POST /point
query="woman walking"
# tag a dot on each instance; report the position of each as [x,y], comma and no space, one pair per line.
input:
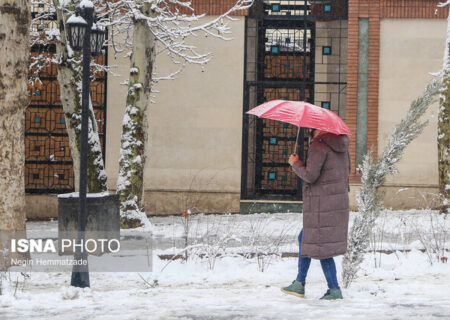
[325,209]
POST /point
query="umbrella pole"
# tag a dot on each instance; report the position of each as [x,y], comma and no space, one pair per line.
[296,141]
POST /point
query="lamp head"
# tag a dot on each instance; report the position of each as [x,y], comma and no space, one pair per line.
[77,27]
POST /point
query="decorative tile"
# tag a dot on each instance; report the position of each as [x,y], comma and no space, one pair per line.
[325,104]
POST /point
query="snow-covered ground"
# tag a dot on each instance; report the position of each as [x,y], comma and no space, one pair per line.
[408,284]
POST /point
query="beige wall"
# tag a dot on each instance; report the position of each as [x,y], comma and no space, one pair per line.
[195,128]
[41,206]
[397,198]
[409,50]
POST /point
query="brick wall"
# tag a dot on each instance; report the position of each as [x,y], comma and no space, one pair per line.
[375,11]
[419,9]
[211,7]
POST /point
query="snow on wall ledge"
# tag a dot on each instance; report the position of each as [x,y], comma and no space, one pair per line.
[88,195]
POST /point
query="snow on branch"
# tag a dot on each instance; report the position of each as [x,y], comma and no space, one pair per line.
[171,28]
[369,200]
[171,76]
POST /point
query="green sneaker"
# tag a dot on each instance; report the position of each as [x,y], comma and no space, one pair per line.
[332,294]
[296,289]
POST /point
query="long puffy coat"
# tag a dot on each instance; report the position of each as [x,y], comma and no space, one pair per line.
[325,196]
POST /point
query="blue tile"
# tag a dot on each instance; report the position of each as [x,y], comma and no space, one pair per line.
[275,49]
[62,120]
[37,120]
[38,92]
[275,7]
[272,175]
[326,50]
[273,141]
[327,8]
[325,105]
[283,178]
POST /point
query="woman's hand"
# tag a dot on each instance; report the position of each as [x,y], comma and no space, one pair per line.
[293,158]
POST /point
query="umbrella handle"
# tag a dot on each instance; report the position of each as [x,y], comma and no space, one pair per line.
[296,141]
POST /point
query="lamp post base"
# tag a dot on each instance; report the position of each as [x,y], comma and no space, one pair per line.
[80,279]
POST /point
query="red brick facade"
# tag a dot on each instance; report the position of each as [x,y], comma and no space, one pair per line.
[212,7]
[409,9]
[374,11]
[420,9]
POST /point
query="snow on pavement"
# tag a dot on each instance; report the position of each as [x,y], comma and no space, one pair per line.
[405,287]
[401,285]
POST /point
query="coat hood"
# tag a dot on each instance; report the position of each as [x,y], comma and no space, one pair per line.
[337,143]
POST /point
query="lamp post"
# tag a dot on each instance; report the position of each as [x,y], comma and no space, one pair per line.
[83,35]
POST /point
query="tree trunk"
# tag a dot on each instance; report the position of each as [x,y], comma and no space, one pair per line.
[130,183]
[14,59]
[444,130]
[69,78]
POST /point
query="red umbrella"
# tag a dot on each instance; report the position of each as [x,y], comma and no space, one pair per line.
[301,114]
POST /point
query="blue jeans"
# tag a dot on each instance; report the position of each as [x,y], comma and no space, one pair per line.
[328,267]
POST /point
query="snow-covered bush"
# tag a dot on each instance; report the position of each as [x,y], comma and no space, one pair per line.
[434,238]
[374,173]
[216,239]
[265,243]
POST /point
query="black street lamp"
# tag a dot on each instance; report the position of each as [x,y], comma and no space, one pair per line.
[83,36]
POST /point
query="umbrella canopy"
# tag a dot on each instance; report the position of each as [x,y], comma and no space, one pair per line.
[301,114]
